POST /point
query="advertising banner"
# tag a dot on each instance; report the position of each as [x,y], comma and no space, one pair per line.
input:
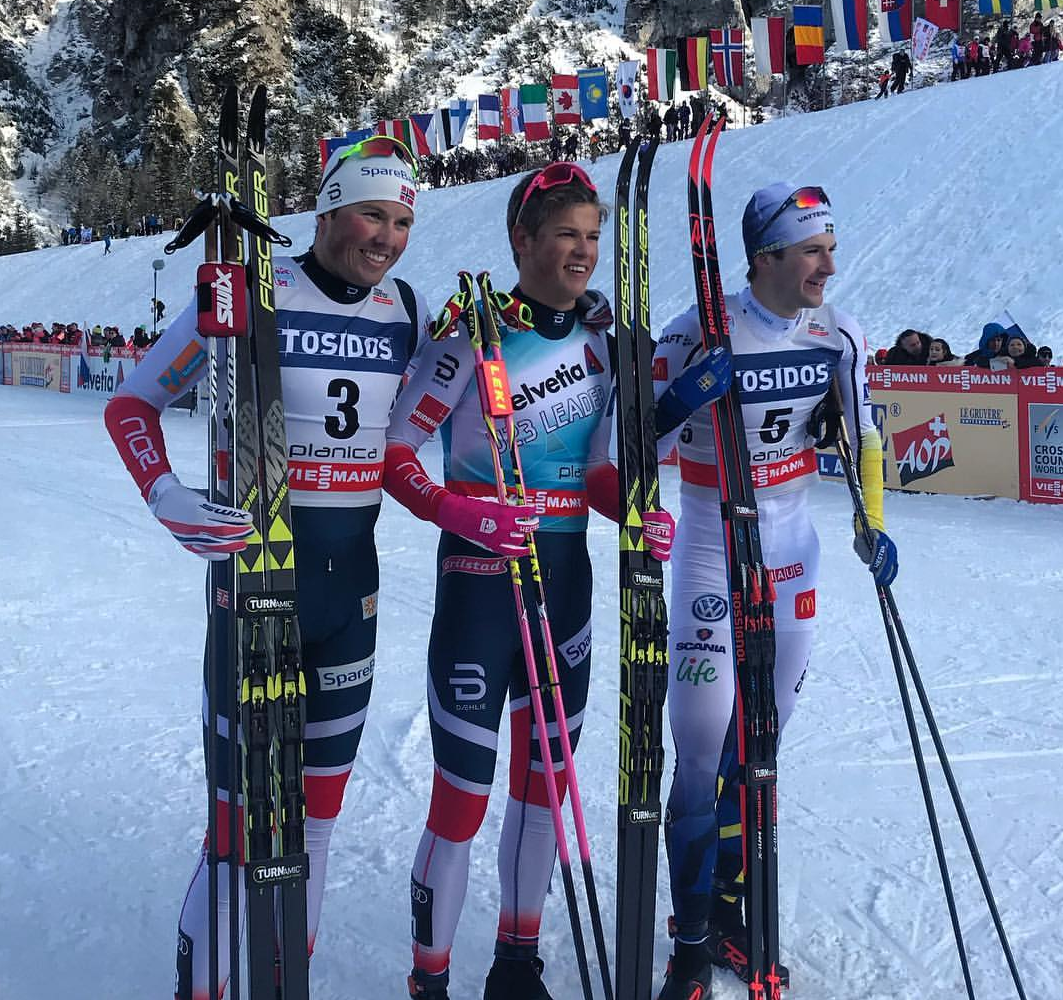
[40,366]
[1040,442]
[968,431]
[94,374]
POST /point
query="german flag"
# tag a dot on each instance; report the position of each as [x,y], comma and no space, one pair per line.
[693,63]
[808,34]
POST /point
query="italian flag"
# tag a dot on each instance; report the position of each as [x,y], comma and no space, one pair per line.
[660,64]
[405,131]
[533,100]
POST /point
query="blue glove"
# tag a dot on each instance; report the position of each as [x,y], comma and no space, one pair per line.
[881,557]
[701,383]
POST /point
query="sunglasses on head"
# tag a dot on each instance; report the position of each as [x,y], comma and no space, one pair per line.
[377,145]
[806,197]
[555,175]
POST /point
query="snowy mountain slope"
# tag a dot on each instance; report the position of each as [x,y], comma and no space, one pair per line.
[100,767]
[939,226]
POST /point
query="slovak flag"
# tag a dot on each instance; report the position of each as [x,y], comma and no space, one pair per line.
[895,20]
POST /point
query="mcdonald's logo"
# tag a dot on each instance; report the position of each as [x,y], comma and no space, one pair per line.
[805,605]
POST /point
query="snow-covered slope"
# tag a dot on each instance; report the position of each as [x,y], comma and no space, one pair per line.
[943,198]
[101,793]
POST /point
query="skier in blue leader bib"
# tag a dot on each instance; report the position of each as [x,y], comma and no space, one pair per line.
[560,373]
[788,347]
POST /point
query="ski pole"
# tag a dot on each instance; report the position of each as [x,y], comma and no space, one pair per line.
[896,635]
[553,678]
[527,645]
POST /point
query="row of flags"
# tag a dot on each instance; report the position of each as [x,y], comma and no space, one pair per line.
[584,96]
[431,132]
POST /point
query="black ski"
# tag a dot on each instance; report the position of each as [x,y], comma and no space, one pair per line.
[221,636]
[251,627]
[643,616]
[751,598]
[277,859]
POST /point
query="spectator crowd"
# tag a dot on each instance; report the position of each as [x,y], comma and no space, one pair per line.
[998,349]
[71,335]
[1007,50]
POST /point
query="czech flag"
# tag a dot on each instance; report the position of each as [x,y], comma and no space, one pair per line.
[808,34]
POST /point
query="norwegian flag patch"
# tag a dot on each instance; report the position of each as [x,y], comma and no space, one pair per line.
[406,195]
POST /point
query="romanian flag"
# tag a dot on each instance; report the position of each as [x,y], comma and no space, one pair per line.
[808,34]
[991,7]
[693,63]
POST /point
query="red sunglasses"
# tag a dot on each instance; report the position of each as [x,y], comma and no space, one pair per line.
[555,175]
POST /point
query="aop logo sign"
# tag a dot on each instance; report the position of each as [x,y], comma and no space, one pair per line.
[923,450]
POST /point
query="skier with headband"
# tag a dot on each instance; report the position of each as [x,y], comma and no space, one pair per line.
[347,331]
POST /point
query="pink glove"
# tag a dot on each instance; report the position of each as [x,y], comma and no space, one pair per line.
[501,528]
[658,528]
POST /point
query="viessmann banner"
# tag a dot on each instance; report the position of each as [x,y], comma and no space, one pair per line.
[969,432]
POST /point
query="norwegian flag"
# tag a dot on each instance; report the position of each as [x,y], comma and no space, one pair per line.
[728,55]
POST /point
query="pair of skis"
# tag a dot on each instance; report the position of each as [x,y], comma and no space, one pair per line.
[253,668]
[643,614]
[751,597]
[482,326]
[643,619]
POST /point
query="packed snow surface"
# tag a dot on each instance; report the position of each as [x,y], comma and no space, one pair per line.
[943,220]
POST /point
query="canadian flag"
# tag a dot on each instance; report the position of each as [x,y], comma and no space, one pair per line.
[566,99]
